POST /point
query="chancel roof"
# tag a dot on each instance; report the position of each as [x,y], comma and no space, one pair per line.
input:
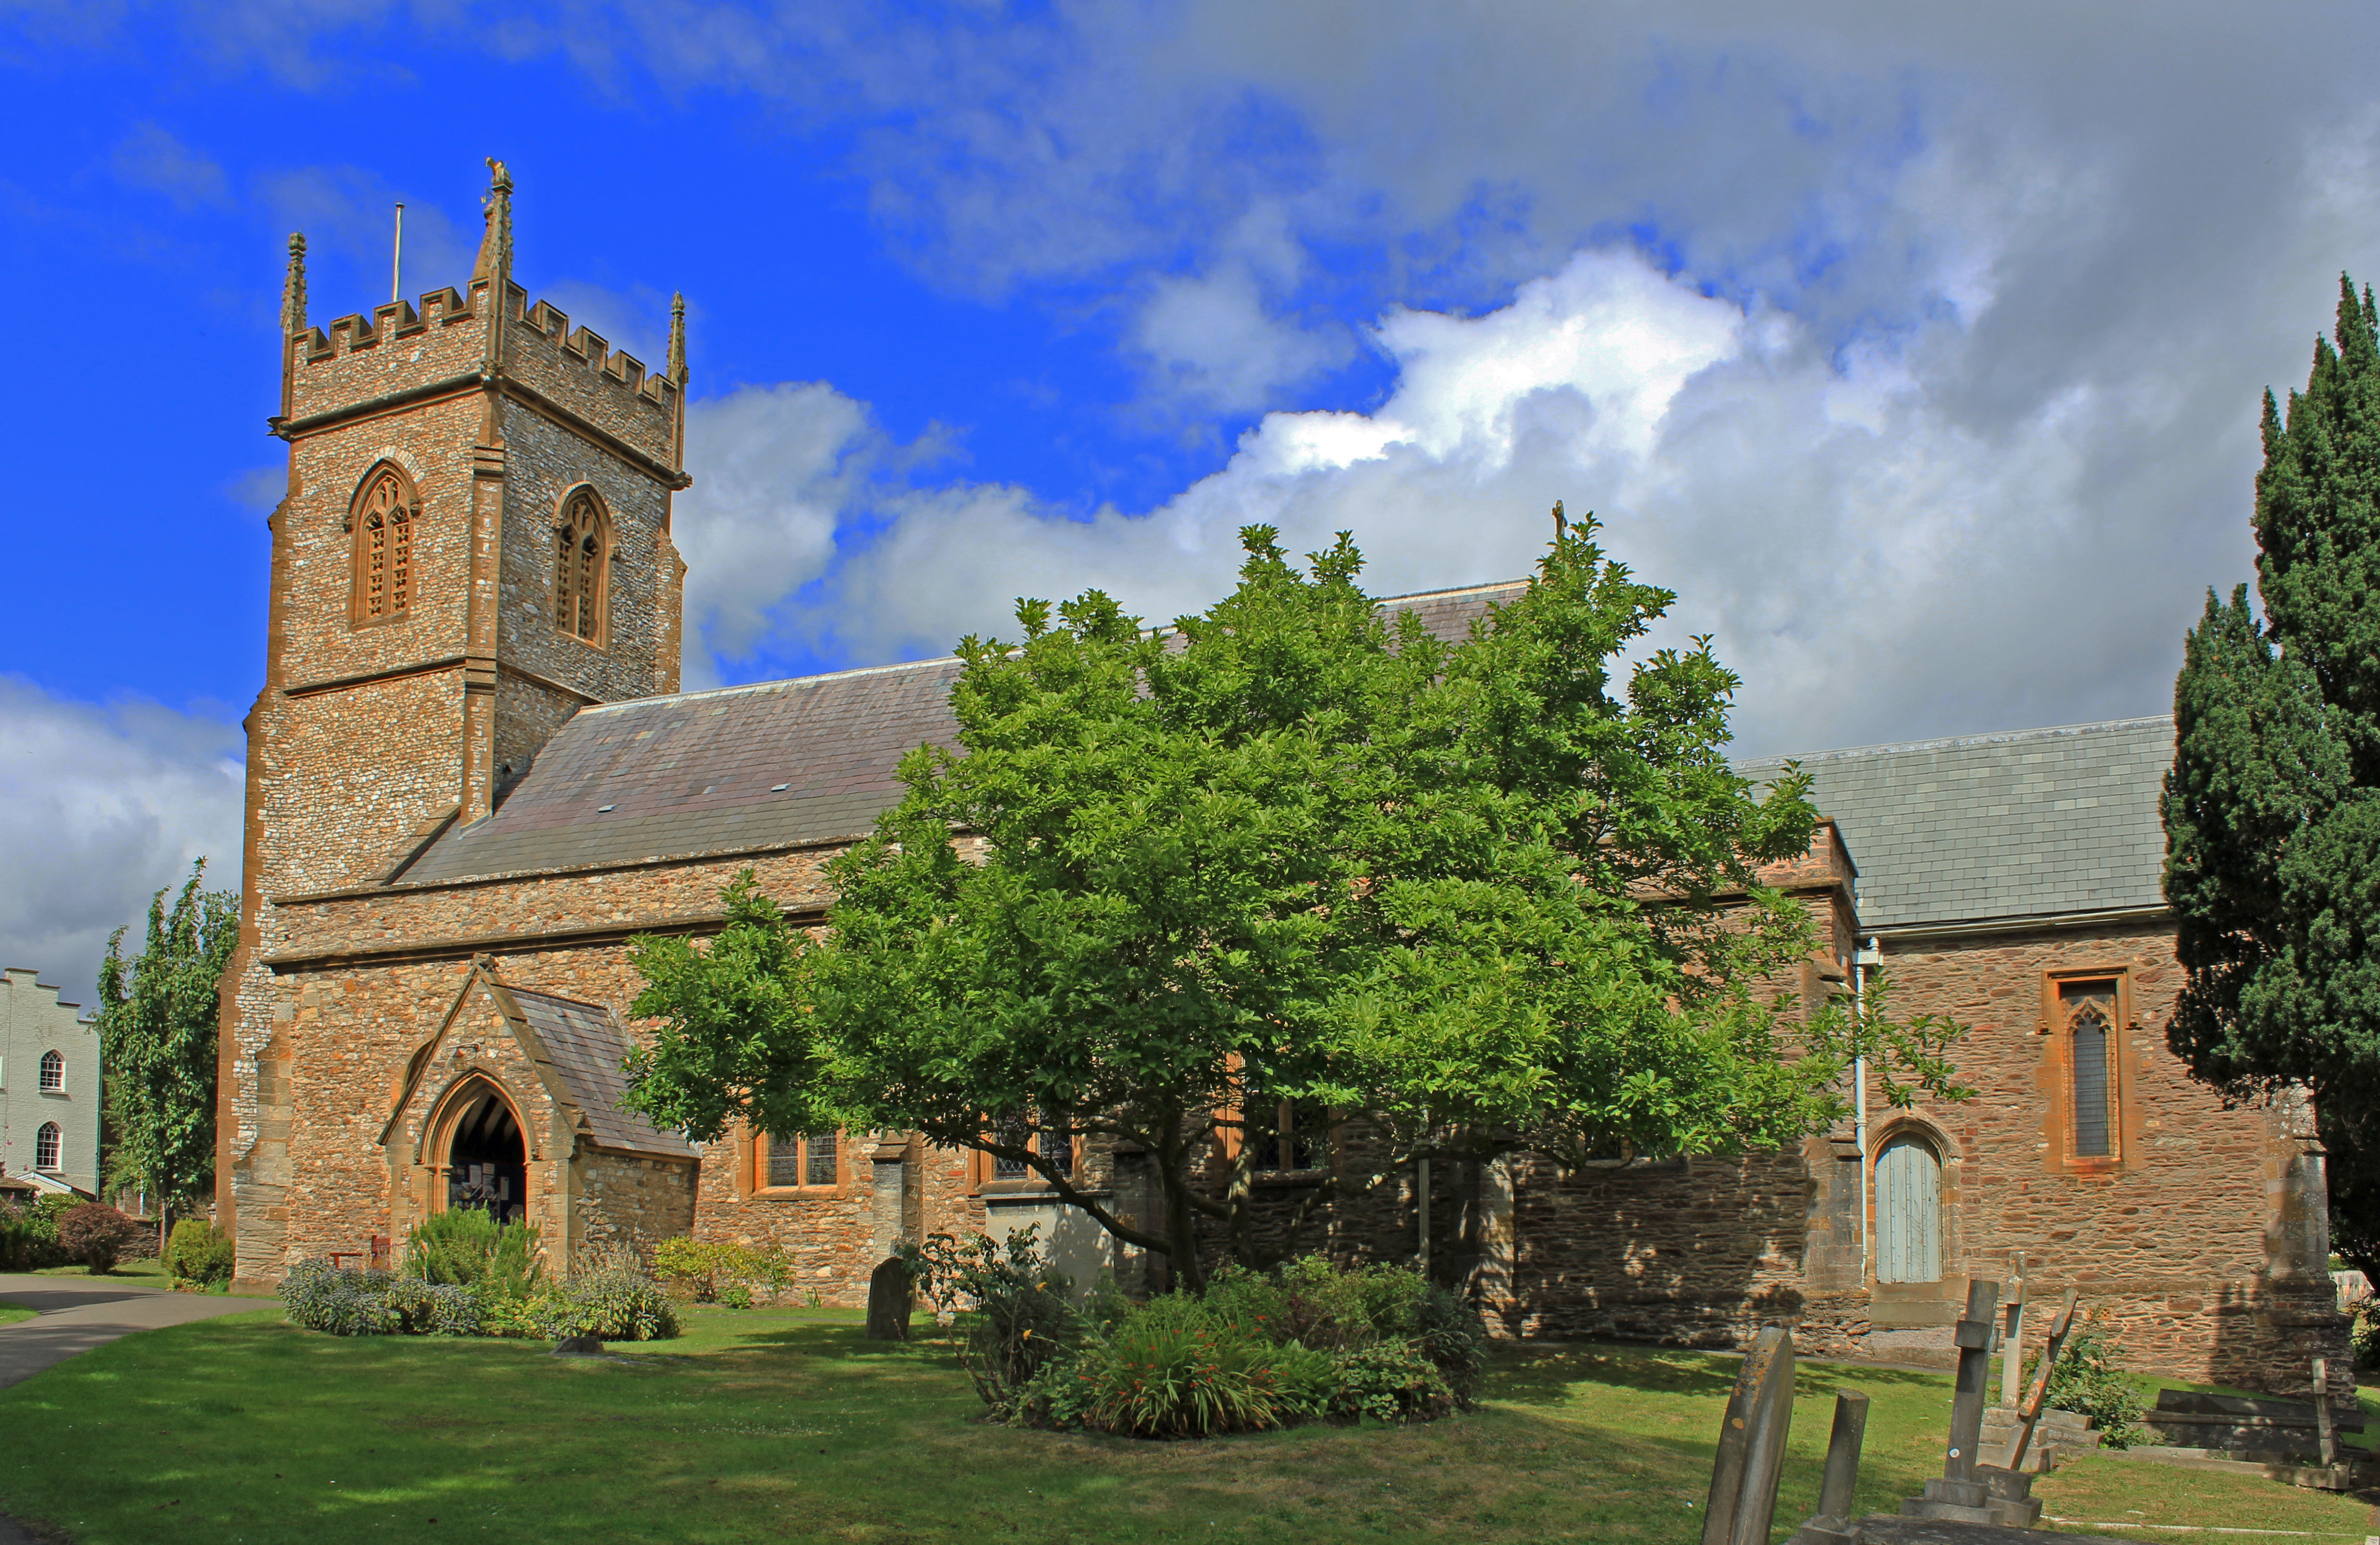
[2029,823]
[776,764]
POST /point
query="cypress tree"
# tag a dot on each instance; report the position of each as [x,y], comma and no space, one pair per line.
[2271,810]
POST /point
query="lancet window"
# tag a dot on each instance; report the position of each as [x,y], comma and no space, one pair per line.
[582,554]
[382,521]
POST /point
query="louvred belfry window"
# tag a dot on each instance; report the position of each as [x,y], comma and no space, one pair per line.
[579,560]
[383,522]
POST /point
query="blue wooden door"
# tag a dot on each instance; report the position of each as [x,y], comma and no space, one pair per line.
[1908,1212]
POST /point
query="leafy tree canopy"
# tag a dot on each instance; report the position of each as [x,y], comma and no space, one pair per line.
[2271,810]
[157,1022]
[1480,898]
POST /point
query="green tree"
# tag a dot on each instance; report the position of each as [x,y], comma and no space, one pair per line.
[1468,895]
[157,1020]
[2272,808]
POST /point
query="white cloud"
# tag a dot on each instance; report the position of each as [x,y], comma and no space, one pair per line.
[775,467]
[99,809]
[1877,556]
[150,157]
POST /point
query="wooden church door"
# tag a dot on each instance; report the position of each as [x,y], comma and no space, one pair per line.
[1908,1212]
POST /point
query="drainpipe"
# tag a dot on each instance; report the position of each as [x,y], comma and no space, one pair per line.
[1861,961]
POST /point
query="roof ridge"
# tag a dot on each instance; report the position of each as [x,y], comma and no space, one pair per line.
[765,685]
[551,997]
[945,658]
[1458,590]
[1947,742]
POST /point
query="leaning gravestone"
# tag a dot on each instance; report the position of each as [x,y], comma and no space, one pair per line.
[1752,1445]
[890,1299]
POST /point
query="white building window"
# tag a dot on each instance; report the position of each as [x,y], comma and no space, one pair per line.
[45,1147]
[53,1073]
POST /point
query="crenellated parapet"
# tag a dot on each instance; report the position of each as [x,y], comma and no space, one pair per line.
[577,370]
[406,349]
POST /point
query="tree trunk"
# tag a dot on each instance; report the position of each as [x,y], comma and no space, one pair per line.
[1180,1219]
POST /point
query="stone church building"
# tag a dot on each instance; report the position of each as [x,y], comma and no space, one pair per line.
[472,779]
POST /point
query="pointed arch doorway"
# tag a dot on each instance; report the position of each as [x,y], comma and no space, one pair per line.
[1907,1211]
[486,1162]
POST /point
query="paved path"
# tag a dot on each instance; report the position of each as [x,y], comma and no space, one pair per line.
[79,1313]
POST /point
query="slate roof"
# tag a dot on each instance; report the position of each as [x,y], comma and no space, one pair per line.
[584,1047]
[2028,823]
[776,764]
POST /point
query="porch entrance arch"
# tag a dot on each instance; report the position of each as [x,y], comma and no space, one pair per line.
[486,1161]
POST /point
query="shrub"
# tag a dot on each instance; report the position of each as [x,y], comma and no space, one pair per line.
[1174,1371]
[2363,1332]
[199,1252]
[2085,1381]
[95,1234]
[608,1303]
[713,1271]
[1020,1314]
[1392,1380]
[340,1301]
[414,1307]
[1394,1348]
[29,1234]
[465,1247]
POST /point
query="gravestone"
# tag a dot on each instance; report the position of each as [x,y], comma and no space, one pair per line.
[890,1300]
[1752,1445]
[1962,1496]
[1832,1525]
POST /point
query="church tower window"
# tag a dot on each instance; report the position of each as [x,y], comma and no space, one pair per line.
[582,554]
[382,521]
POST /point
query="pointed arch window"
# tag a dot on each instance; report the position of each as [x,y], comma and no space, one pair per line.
[2090,1010]
[386,511]
[46,1144]
[53,1073]
[581,561]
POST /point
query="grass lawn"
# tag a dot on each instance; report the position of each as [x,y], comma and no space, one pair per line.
[145,1273]
[786,1426]
[11,1313]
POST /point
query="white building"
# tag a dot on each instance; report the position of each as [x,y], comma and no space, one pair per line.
[49,1087]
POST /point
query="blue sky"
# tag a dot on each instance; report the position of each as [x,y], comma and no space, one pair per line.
[1918,352]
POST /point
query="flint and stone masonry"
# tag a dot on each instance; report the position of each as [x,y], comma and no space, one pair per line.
[461,806]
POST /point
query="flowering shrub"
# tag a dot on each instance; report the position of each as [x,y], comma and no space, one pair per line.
[1384,1344]
[1020,1314]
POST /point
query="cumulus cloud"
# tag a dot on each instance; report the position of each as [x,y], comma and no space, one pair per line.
[1878,556]
[99,807]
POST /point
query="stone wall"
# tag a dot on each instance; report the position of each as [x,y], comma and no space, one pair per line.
[628,1202]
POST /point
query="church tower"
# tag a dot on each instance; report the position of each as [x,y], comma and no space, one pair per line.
[474,545]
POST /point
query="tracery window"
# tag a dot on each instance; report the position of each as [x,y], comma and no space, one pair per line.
[385,511]
[1297,1138]
[795,1160]
[582,544]
[1053,1139]
[2087,1010]
[53,1073]
[46,1143]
